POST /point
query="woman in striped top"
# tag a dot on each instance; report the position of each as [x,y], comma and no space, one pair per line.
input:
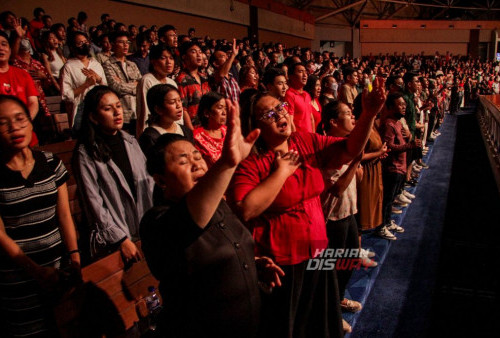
[36,227]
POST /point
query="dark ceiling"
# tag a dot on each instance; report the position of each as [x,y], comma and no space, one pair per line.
[349,12]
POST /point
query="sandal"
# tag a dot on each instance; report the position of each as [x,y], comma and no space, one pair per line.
[350,305]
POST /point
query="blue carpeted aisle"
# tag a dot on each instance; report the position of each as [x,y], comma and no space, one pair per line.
[397,295]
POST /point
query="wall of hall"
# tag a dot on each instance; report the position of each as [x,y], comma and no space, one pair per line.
[214,18]
[416,36]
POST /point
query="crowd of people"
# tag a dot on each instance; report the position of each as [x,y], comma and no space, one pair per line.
[234,164]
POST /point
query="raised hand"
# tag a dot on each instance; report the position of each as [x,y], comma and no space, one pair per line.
[236,48]
[373,101]
[18,28]
[236,147]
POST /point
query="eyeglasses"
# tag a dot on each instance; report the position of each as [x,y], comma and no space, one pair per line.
[81,43]
[275,114]
[124,42]
[21,120]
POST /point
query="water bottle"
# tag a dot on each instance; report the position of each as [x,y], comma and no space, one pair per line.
[154,307]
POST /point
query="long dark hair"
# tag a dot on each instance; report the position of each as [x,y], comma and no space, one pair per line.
[329,112]
[310,86]
[88,135]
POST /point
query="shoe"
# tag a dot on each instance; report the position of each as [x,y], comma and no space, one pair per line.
[346,327]
[416,169]
[396,210]
[400,204]
[402,199]
[366,253]
[423,164]
[385,233]
[368,263]
[394,227]
[350,305]
[408,194]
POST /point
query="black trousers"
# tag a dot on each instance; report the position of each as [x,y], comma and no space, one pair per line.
[393,183]
[306,305]
[343,234]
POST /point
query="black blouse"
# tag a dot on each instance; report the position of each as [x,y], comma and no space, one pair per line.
[208,278]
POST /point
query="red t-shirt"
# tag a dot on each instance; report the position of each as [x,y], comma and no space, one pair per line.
[299,106]
[18,83]
[292,229]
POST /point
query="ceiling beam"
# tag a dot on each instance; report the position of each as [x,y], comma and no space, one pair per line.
[340,10]
[355,21]
[412,3]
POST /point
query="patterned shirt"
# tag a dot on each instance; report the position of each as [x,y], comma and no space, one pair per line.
[191,92]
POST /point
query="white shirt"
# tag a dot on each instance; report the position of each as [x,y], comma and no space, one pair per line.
[56,65]
[72,77]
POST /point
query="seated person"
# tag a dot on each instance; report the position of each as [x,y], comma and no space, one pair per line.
[197,248]
[110,171]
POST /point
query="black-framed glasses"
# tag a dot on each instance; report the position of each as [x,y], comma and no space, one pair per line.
[275,114]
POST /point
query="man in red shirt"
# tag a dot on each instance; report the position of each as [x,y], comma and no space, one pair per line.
[299,101]
[15,81]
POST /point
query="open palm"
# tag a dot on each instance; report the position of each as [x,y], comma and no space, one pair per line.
[236,147]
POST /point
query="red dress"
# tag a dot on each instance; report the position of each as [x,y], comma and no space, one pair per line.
[292,230]
[209,147]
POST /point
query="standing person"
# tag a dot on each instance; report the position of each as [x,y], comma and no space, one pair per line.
[249,78]
[313,88]
[348,91]
[165,105]
[15,81]
[122,76]
[274,80]
[36,228]
[141,56]
[209,137]
[394,169]
[276,190]
[192,85]
[52,57]
[299,101]
[339,201]
[329,88]
[161,65]
[79,75]
[110,171]
[225,81]
[105,44]
[197,248]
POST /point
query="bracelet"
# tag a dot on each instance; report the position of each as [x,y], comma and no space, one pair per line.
[73,251]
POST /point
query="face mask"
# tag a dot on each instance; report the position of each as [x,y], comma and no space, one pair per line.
[83,50]
[25,44]
[335,86]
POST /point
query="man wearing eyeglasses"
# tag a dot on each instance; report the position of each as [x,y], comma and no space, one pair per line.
[123,76]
